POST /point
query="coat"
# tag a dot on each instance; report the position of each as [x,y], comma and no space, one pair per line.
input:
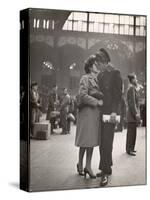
[52,105]
[133,107]
[34,106]
[110,84]
[88,117]
[64,110]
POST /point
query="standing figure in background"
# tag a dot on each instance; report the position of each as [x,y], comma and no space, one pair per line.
[110,84]
[122,112]
[34,106]
[64,110]
[133,114]
[53,104]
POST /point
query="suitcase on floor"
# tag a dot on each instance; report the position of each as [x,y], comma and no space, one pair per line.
[42,130]
[42,135]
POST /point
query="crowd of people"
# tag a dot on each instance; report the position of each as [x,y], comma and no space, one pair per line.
[61,109]
[97,110]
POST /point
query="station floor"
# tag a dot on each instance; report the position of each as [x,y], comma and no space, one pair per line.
[53,163]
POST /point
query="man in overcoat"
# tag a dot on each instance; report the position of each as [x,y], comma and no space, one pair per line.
[110,84]
[52,106]
[133,114]
[34,106]
[64,111]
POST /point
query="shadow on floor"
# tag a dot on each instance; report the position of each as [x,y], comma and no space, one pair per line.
[14,184]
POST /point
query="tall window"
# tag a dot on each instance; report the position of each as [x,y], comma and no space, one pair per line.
[45,23]
[98,22]
[106,23]
[140,25]
[77,21]
[111,23]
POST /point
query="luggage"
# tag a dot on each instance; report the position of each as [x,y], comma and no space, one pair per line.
[42,135]
[42,130]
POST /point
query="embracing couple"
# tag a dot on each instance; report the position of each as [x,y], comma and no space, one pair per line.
[99,94]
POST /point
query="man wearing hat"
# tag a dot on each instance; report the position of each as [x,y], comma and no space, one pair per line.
[53,104]
[34,106]
[133,114]
[110,84]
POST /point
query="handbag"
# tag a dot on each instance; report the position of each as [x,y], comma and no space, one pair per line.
[107,119]
[71,117]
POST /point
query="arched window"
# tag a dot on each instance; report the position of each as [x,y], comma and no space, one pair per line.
[106,23]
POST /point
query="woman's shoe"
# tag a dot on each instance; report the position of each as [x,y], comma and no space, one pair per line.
[91,175]
[131,153]
[80,171]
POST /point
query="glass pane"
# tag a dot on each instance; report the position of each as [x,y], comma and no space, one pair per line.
[47,24]
[116,19]
[101,27]
[69,25]
[137,30]
[142,21]
[80,16]
[130,30]
[93,17]
[84,26]
[96,17]
[121,29]
[142,30]
[111,28]
[126,29]
[79,26]
[137,20]
[121,19]
[44,23]
[109,18]
[100,17]
[131,20]
[53,24]
[106,28]
[91,26]
[126,18]
[96,27]
[75,25]
[116,29]
[38,23]
[70,16]
[34,23]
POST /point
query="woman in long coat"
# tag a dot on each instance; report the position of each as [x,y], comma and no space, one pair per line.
[88,118]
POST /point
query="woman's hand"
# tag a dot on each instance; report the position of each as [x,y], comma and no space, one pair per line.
[138,118]
[100,103]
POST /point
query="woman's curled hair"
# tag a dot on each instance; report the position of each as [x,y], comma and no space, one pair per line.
[89,63]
